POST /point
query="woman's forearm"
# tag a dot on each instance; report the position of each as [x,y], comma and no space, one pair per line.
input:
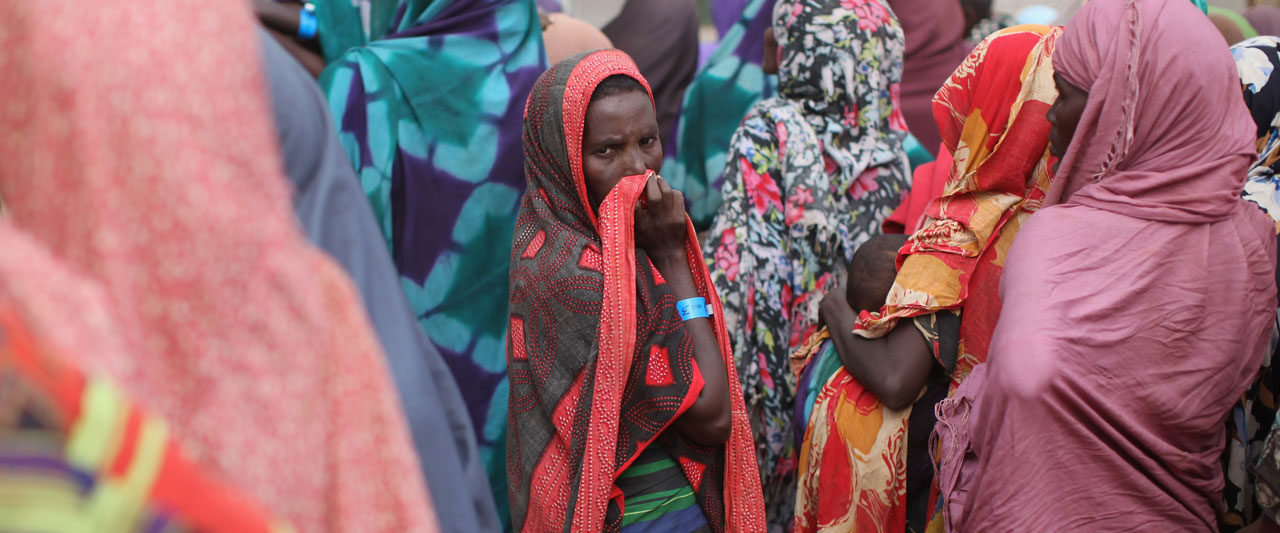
[709,421]
[281,17]
[307,58]
[283,20]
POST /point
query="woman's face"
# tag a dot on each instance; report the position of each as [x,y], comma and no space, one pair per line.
[619,139]
[1064,115]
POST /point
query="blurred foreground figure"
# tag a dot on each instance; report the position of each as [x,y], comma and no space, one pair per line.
[336,217]
[151,241]
[77,455]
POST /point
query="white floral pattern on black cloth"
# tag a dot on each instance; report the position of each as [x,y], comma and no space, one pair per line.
[988,27]
[1252,465]
[810,176]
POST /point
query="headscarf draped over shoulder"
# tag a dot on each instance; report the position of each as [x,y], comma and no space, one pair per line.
[991,113]
[600,366]
[811,175]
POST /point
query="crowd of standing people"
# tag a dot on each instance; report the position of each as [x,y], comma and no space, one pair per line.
[517,265]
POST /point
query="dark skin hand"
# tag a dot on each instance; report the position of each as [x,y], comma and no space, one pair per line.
[1262,525]
[770,63]
[1064,115]
[620,139]
[281,20]
[894,367]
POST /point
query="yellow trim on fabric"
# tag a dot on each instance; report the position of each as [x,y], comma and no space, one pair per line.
[36,503]
[926,281]
[95,437]
[117,503]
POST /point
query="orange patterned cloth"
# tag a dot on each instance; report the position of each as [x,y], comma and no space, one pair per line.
[853,461]
[991,113]
[150,240]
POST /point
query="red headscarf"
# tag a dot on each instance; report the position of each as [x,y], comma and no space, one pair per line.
[600,365]
[991,114]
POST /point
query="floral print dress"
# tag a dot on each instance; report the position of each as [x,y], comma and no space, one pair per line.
[810,176]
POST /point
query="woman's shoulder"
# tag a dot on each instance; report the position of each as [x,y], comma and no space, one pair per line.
[773,110]
[773,121]
[1057,231]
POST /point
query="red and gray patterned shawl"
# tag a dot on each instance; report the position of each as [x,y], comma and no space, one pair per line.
[600,363]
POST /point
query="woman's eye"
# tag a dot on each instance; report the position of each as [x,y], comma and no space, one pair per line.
[647,141]
[605,151]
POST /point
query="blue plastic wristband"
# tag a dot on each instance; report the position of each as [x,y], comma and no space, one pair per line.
[692,308]
[307,24]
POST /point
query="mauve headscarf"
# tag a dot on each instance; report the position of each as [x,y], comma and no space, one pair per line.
[935,47]
[1136,312]
[1265,19]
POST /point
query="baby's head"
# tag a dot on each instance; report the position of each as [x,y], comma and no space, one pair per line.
[872,271]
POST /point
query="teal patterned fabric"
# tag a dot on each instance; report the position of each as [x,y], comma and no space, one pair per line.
[429,97]
[714,105]
[716,102]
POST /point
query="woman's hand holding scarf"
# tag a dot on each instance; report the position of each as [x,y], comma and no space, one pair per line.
[660,221]
[662,231]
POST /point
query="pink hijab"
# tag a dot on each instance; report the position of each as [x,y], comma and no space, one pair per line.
[1137,311]
[150,238]
[1166,139]
[1265,19]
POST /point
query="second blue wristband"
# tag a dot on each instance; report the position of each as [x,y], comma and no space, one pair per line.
[307,23]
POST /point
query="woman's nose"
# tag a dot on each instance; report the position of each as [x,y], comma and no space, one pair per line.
[635,163]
